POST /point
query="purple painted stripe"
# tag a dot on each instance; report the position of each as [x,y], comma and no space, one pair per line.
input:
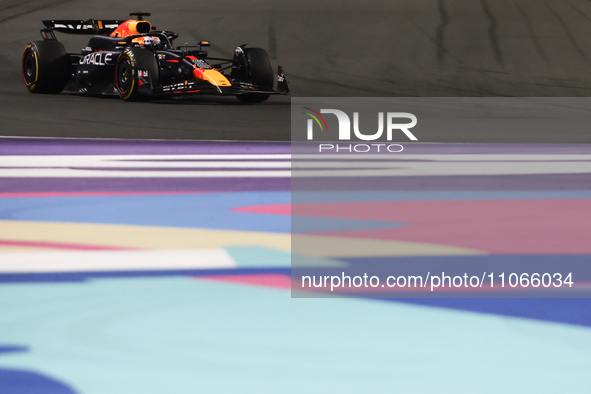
[489,182]
[452,182]
[526,149]
[441,149]
[41,146]
[33,146]
[94,194]
[37,185]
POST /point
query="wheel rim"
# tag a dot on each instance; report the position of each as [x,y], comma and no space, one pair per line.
[124,76]
[29,67]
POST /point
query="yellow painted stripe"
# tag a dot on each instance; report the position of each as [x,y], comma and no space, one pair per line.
[138,236]
[340,247]
[23,249]
[187,238]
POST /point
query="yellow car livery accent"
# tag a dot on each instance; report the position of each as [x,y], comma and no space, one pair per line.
[214,77]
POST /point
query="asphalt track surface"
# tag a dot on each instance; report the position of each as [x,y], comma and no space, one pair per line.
[328,48]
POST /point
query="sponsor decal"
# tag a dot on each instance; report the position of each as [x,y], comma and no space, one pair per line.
[99,59]
[199,63]
[73,27]
[82,26]
[178,86]
[48,35]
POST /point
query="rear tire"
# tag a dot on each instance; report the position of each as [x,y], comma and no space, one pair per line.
[129,85]
[46,67]
[260,73]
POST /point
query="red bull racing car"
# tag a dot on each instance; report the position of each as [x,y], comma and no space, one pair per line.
[134,60]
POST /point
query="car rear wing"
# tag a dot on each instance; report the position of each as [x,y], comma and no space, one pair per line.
[89,27]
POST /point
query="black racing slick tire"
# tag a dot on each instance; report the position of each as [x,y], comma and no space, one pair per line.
[46,67]
[260,73]
[136,74]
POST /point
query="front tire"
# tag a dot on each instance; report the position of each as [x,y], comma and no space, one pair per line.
[46,67]
[136,74]
[260,74]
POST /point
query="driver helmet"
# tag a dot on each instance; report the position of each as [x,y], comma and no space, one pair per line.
[147,41]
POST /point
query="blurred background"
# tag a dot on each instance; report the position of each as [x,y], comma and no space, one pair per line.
[224,321]
[369,48]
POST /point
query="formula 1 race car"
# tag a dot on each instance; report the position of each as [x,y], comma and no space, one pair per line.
[133,59]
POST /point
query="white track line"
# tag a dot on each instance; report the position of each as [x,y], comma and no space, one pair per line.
[338,170]
[75,173]
[150,260]
[249,166]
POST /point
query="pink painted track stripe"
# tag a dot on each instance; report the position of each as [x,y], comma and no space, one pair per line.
[59,245]
[95,194]
[276,281]
[275,209]
[552,226]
